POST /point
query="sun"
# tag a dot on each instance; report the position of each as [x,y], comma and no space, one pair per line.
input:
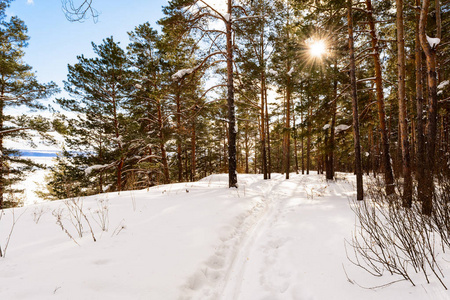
[317,48]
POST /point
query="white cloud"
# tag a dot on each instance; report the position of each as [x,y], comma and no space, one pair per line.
[30,2]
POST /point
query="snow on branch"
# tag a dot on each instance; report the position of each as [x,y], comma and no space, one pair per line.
[272,72]
[433,42]
[366,79]
[443,84]
[181,73]
[341,127]
[290,72]
[148,157]
[89,170]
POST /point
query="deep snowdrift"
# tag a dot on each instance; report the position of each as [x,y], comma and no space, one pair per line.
[274,239]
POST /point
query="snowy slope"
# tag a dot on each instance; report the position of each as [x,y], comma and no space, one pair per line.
[274,239]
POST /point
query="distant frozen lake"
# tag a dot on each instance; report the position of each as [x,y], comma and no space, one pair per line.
[38,153]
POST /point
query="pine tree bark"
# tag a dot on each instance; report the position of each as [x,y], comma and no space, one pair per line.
[287,129]
[308,142]
[386,159]
[193,151]
[269,166]
[232,174]
[263,129]
[119,143]
[263,90]
[302,137]
[420,139]
[330,145]
[179,150]
[247,148]
[295,142]
[356,136]
[438,18]
[431,126]
[406,160]
[162,145]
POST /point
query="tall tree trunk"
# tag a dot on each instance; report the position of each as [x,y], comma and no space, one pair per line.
[287,129]
[386,159]
[263,90]
[308,142]
[356,137]
[329,157]
[269,167]
[431,127]
[246,148]
[438,18]
[420,155]
[438,34]
[119,143]
[193,147]
[179,150]
[407,184]
[295,142]
[232,174]
[2,160]
[100,160]
[162,146]
[302,137]
[263,129]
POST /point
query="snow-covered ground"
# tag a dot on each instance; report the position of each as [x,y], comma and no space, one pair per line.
[35,181]
[273,239]
[42,154]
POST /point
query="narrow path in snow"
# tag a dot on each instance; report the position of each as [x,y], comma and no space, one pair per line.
[233,281]
[274,199]
[250,247]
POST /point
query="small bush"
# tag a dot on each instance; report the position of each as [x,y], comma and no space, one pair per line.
[391,238]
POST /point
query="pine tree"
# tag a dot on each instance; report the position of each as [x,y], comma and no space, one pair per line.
[18,88]
[99,87]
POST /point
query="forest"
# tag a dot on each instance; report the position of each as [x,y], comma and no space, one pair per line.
[283,145]
[250,86]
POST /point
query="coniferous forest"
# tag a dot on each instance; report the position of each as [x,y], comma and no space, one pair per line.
[250,86]
[255,135]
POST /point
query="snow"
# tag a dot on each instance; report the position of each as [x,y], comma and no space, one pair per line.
[272,72]
[227,17]
[433,41]
[341,127]
[35,181]
[326,126]
[89,169]
[269,239]
[291,71]
[181,73]
[443,84]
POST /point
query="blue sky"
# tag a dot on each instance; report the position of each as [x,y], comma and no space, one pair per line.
[55,42]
